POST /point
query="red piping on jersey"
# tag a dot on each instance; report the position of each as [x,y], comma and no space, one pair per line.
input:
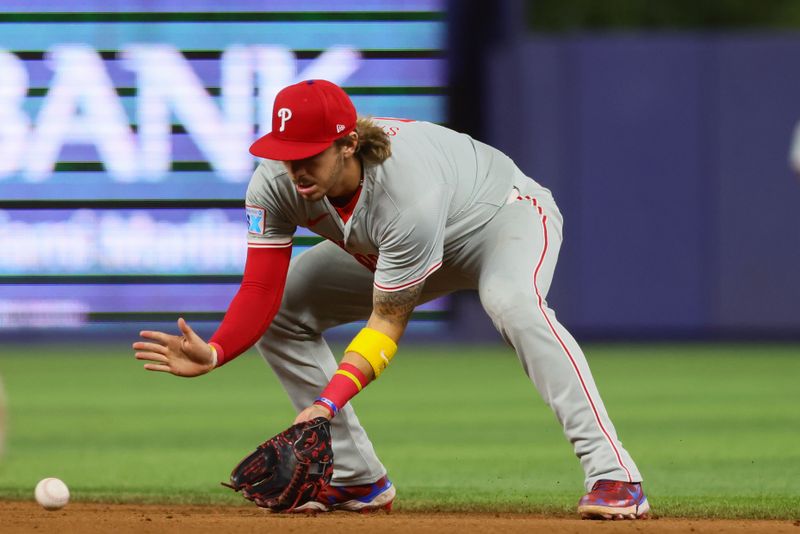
[429,272]
[564,346]
[259,297]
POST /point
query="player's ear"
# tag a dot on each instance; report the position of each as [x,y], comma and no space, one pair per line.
[350,144]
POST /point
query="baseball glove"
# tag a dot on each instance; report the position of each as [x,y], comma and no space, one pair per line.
[289,469]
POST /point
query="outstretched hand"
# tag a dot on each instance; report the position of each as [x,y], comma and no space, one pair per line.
[186,355]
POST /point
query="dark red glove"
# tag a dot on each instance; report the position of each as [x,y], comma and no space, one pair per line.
[289,469]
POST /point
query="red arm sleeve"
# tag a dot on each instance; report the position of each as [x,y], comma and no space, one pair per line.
[252,309]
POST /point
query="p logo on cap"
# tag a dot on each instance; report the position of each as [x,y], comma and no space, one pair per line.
[284,114]
[309,117]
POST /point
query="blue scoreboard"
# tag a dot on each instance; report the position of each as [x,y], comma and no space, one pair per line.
[124,135]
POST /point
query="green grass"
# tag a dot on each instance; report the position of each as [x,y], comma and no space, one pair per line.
[714,428]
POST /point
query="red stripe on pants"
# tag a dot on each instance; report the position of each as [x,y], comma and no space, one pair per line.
[564,346]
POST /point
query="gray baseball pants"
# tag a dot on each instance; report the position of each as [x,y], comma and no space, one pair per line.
[511,262]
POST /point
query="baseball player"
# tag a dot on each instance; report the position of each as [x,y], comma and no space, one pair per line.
[410,211]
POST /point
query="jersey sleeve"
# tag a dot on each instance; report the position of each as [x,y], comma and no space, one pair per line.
[412,245]
[268,225]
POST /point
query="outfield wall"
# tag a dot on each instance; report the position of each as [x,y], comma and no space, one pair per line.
[669,155]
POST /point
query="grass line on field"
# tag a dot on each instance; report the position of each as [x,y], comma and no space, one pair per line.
[710,426]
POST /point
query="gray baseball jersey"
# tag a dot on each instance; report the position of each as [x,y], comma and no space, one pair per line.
[438,187]
[447,207]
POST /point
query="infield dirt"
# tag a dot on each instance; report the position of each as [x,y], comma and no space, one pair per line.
[90,518]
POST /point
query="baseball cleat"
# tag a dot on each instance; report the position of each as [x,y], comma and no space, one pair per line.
[364,498]
[610,499]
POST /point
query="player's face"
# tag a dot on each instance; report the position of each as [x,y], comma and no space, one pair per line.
[319,175]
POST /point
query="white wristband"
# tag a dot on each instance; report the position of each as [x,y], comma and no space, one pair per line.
[213,356]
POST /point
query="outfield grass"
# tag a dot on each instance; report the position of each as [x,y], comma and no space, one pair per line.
[714,428]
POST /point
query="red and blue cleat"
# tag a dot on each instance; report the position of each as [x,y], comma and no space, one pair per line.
[610,499]
[364,498]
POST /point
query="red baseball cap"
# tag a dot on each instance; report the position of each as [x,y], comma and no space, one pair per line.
[306,119]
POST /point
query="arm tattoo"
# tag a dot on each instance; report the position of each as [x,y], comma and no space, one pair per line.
[396,306]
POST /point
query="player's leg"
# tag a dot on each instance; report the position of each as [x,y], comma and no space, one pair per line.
[517,252]
[325,287]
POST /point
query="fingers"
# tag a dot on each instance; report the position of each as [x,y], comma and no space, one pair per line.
[151,357]
[152,352]
[150,347]
[185,328]
[161,337]
[158,367]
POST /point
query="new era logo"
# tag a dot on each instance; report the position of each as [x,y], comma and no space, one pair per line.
[339,128]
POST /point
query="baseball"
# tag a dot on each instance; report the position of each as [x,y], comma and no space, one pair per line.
[52,494]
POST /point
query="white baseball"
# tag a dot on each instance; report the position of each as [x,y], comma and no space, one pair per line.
[52,494]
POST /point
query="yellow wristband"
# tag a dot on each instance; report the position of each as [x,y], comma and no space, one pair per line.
[375,347]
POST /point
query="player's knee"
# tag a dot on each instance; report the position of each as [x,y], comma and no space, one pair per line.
[287,326]
[294,319]
[507,304]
